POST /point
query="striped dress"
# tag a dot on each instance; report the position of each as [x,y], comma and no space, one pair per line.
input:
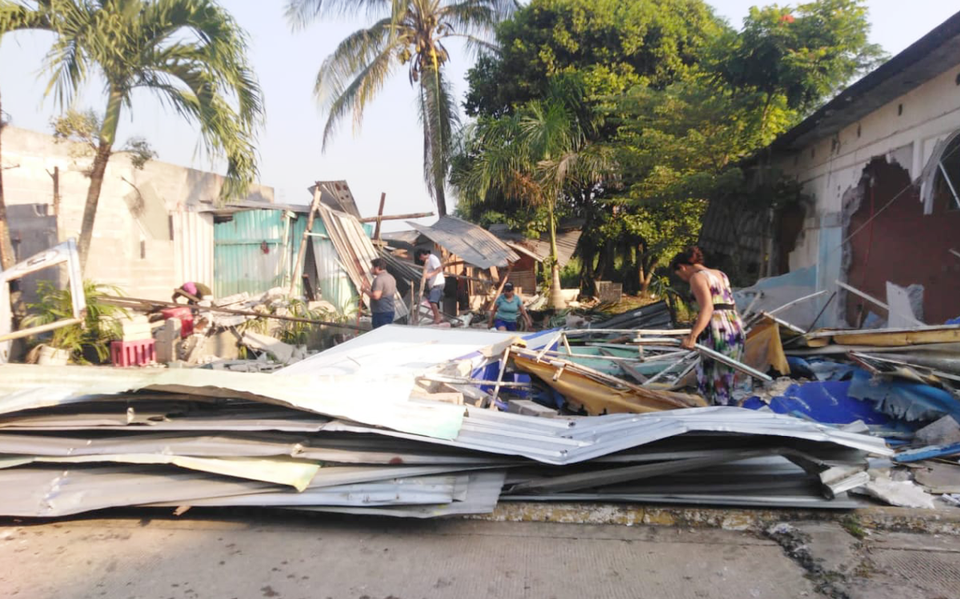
[725,334]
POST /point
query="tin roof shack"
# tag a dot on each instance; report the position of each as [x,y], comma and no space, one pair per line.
[465,249]
[880,164]
[154,227]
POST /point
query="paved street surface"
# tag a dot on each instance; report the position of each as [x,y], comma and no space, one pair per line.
[319,557]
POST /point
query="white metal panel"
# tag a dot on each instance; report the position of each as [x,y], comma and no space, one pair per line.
[193,246]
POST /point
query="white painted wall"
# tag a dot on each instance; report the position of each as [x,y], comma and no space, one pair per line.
[829,167]
[29,158]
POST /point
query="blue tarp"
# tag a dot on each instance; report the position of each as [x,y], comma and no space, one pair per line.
[826,402]
[904,399]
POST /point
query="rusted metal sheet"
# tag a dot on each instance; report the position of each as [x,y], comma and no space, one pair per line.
[475,245]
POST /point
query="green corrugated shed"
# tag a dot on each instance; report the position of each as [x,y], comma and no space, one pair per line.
[257,250]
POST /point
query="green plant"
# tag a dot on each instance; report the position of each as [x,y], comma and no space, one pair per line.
[101,323]
[298,333]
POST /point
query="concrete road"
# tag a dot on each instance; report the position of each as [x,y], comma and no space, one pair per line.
[319,557]
[378,559]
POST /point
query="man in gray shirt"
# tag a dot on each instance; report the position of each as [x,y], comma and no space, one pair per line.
[382,293]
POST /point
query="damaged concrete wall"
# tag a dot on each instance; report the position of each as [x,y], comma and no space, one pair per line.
[904,132]
[140,241]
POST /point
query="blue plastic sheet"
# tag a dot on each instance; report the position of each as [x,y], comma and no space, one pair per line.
[826,402]
[904,399]
[927,453]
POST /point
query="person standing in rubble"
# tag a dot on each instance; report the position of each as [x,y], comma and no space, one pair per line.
[718,327]
[193,292]
[382,293]
[507,309]
[433,275]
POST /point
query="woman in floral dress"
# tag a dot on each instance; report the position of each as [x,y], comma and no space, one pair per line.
[718,326]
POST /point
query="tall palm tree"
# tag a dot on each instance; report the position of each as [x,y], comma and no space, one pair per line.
[190,53]
[406,32]
[536,155]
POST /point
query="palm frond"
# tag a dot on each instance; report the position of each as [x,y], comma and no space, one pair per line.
[355,96]
[301,13]
[475,18]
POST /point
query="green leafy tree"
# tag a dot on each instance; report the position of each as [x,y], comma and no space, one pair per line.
[684,102]
[410,33]
[612,45]
[792,59]
[190,53]
[535,156]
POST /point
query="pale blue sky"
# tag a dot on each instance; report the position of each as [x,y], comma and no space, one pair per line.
[386,154]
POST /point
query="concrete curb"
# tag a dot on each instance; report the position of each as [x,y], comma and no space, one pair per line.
[943,521]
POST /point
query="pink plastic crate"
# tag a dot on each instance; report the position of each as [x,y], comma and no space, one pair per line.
[133,353]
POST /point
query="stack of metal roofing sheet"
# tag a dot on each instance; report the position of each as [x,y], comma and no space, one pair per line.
[78,439]
[184,448]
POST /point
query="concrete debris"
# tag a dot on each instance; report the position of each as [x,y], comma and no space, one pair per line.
[897,493]
[282,352]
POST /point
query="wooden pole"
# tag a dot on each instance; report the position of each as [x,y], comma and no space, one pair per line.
[134,303]
[295,276]
[496,390]
[373,219]
[503,282]
[376,231]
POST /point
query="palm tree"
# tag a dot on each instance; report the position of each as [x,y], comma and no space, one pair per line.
[406,32]
[536,155]
[190,53]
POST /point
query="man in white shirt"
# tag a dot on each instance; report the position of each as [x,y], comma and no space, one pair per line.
[433,274]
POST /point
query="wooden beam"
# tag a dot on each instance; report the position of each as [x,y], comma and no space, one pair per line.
[376,231]
[295,275]
[373,219]
[134,303]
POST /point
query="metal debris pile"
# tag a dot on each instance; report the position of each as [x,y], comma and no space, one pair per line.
[369,428]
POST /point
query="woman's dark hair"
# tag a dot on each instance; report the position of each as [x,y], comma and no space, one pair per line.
[691,255]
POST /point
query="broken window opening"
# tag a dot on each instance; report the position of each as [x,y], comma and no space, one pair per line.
[946,181]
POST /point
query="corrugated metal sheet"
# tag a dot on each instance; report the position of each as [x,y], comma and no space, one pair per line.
[333,280]
[193,246]
[539,249]
[382,401]
[569,441]
[336,195]
[474,244]
[254,251]
[352,242]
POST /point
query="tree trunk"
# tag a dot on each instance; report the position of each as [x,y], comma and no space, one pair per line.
[7,257]
[435,144]
[108,133]
[556,294]
[649,269]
